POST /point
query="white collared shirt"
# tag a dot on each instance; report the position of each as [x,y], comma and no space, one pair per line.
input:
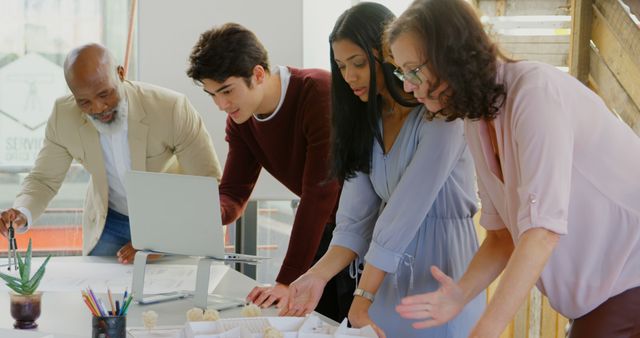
[117,161]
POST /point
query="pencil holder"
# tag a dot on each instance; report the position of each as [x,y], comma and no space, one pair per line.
[109,327]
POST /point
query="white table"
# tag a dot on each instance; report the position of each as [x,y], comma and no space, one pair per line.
[66,316]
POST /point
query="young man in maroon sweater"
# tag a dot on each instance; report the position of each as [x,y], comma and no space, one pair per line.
[279,119]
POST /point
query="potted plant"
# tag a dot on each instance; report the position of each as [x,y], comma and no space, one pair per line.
[25,301]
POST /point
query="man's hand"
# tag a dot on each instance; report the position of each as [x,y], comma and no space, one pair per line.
[11,215]
[434,308]
[359,316]
[127,253]
[265,296]
[304,295]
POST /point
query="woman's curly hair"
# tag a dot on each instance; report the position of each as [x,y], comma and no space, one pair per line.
[457,51]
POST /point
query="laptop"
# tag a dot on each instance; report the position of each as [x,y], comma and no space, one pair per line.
[177,214]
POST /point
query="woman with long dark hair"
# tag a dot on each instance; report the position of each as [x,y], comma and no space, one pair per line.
[409,193]
[557,177]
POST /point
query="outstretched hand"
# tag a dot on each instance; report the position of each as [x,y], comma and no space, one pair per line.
[304,295]
[434,308]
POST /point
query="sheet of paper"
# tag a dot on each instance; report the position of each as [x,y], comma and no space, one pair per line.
[6,333]
[64,276]
[157,332]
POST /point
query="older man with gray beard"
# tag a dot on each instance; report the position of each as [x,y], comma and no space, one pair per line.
[110,126]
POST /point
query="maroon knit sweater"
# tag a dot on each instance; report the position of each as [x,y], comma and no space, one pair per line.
[293,146]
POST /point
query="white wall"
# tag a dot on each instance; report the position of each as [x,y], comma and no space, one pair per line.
[319,17]
[168,29]
[295,32]
[396,6]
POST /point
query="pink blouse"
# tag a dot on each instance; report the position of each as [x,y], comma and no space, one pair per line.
[569,166]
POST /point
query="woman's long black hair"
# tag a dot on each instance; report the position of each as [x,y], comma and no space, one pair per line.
[355,123]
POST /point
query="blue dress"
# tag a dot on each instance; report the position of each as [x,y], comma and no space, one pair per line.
[412,211]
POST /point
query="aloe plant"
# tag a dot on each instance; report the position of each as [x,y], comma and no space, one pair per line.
[25,285]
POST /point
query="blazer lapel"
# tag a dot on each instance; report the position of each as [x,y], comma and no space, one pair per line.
[138,129]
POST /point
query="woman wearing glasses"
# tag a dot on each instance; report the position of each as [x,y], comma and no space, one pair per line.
[557,175]
[409,191]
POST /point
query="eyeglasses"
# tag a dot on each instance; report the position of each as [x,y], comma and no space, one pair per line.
[411,76]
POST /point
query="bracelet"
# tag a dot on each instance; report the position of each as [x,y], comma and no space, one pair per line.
[364,294]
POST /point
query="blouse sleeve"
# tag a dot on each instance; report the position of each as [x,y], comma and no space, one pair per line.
[356,216]
[543,137]
[489,217]
[440,148]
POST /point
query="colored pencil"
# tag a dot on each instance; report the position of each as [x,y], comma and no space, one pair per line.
[113,308]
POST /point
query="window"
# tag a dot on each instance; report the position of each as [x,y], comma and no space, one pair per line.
[35,36]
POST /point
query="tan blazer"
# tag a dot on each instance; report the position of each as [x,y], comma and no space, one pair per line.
[166,134]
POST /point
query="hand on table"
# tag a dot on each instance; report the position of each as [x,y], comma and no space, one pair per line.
[434,308]
[127,253]
[265,296]
[304,295]
[11,215]
[359,316]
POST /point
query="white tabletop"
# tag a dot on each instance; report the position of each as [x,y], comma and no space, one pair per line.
[65,315]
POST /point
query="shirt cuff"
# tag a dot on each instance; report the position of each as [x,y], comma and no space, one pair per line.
[491,221]
[383,258]
[27,213]
[557,226]
[350,241]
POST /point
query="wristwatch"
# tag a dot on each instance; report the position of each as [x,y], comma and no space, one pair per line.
[364,294]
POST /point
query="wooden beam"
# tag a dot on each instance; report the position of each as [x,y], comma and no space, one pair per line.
[604,83]
[580,39]
[535,314]
[521,320]
[614,54]
[525,7]
[501,7]
[622,26]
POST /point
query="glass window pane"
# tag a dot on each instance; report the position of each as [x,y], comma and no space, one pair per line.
[35,37]
[275,219]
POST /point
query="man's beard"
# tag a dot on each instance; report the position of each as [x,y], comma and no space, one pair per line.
[117,122]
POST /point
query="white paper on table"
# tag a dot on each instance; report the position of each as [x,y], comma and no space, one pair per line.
[6,333]
[238,332]
[203,328]
[346,332]
[215,329]
[159,278]
[253,324]
[254,327]
[157,332]
[314,327]
[286,324]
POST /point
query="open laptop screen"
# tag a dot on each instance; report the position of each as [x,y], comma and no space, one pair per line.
[175,214]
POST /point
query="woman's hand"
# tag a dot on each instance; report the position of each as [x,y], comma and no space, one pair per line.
[359,315]
[435,308]
[304,294]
